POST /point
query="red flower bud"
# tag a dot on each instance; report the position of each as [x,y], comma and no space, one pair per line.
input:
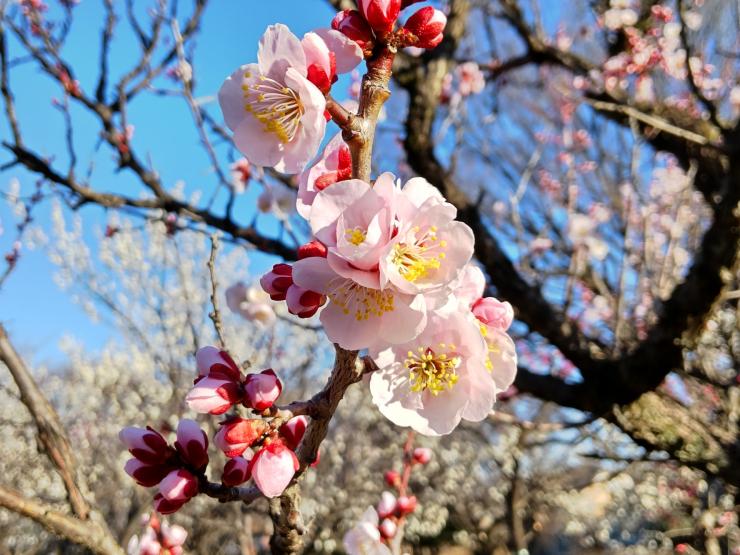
[178,486]
[427,25]
[406,504]
[380,14]
[302,302]
[146,475]
[351,24]
[392,478]
[387,528]
[165,507]
[292,431]
[422,455]
[312,249]
[146,445]
[277,281]
[192,443]
[236,471]
[237,434]
[262,390]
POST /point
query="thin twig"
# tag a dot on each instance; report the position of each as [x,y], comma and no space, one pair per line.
[215,315]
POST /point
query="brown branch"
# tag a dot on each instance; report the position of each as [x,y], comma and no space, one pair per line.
[162,201]
[50,430]
[53,438]
[606,381]
[84,533]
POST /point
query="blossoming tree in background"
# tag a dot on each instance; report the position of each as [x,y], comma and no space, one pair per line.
[528,168]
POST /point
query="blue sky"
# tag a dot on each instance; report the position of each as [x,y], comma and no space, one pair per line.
[35,310]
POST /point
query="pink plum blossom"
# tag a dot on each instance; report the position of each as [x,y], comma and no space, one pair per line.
[494,313]
[262,390]
[273,467]
[385,246]
[470,79]
[274,110]
[335,164]
[430,248]
[241,173]
[438,378]
[364,538]
[250,303]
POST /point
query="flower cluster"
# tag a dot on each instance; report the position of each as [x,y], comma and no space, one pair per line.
[393,263]
[158,538]
[174,469]
[221,385]
[276,107]
[379,525]
[385,261]
[261,448]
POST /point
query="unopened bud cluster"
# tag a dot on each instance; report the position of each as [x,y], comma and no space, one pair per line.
[375,20]
[261,448]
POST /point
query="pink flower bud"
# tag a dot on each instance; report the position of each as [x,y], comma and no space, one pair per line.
[312,249]
[216,363]
[387,505]
[292,431]
[192,443]
[351,24]
[237,434]
[145,444]
[422,455]
[273,467]
[147,475]
[302,302]
[494,313]
[213,396]
[380,14]
[387,528]
[178,486]
[406,504]
[165,507]
[262,390]
[236,472]
[428,25]
[392,478]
